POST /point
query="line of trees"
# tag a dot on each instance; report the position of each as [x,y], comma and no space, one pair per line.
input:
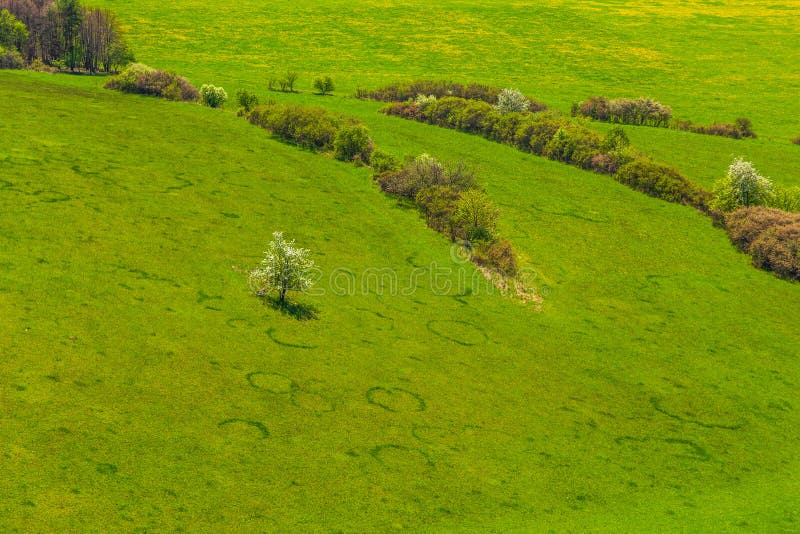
[65,34]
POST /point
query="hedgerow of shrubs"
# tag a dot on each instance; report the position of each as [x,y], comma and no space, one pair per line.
[770,236]
[138,78]
[401,92]
[315,128]
[451,202]
[648,112]
[558,138]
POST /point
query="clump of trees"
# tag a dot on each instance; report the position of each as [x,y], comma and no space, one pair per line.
[402,92]
[64,34]
[284,84]
[559,138]
[213,96]
[141,79]
[647,112]
[284,268]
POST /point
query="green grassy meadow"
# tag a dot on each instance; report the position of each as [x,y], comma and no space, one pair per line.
[142,388]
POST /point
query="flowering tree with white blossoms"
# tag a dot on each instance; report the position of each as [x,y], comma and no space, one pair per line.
[510,100]
[284,267]
[213,96]
[742,186]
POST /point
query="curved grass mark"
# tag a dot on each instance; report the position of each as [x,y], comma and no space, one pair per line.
[232,322]
[697,452]
[51,196]
[202,296]
[274,383]
[5,184]
[255,424]
[377,451]
[184,184]
[441,329]
[271,334]
[392,399]
[656,402]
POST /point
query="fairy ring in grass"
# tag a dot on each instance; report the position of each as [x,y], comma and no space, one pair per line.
[395,399]
[254,424]
[275,383]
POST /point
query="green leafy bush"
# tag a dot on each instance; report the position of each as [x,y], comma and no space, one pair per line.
[246,100]
[660,181]
[353,142]
[475,217]
[212,96]
[324,85]
[438,204]
[786,199]
[382,162]
[311,127]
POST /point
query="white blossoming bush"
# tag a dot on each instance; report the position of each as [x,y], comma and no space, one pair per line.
[213,96]
[424,101]
[743,186]
[511,100]
[284,268]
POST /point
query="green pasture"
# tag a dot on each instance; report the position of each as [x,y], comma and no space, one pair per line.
[142,388]
[145,389]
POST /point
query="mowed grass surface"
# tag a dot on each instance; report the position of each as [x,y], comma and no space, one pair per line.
[143,388]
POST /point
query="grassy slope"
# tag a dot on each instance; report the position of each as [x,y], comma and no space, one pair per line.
[130,339]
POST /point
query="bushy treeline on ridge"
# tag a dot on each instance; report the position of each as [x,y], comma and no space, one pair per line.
[62,34]
[647,112]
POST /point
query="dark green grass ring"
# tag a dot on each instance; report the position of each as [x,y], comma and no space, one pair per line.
[255,424]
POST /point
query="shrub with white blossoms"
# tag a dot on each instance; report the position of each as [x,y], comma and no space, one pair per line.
[284,267]
[212,96]
[742,186]
[511,100]
[423,101]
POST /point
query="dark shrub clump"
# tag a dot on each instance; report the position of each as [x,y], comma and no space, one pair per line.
[770,236]
[141,79]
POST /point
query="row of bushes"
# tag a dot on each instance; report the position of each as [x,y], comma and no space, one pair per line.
[558,138]
[740,129]
[641,111]
[401,92]
[648,112]
[315,128]
[770,236]
[448,197]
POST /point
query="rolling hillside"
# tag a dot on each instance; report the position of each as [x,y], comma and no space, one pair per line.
[144,388]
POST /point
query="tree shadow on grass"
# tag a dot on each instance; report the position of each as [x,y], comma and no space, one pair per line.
[298,310]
